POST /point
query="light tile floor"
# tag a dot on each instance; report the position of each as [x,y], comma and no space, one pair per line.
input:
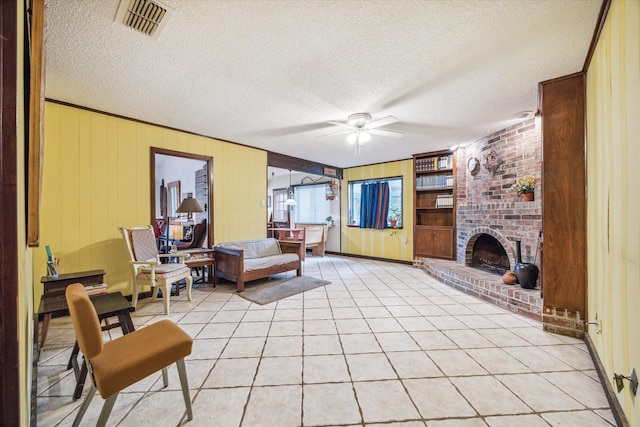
[382,345]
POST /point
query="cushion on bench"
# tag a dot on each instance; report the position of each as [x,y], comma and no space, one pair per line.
[268,261]
[255,248]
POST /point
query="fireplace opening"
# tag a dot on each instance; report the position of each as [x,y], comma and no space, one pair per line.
[489,255]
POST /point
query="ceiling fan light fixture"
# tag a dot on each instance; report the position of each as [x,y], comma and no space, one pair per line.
[363,137]
[359,136]
[290,200]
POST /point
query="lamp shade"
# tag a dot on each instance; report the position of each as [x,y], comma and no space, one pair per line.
[290,200]
[189,205]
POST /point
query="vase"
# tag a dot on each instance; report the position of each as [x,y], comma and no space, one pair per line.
[527,197]
[509,278]
[526,273]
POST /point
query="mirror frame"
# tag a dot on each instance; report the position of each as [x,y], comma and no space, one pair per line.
[208,160]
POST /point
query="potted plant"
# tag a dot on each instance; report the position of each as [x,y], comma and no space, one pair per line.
[524,187]
[394,215]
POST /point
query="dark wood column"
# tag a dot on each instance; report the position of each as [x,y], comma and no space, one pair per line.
[10,399]
[562,106]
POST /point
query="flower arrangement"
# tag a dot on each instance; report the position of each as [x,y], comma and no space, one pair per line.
[523,185]
[395,213]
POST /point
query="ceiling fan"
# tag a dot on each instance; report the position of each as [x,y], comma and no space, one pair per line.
[360,128]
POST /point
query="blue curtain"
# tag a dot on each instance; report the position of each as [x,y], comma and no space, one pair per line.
[374,205]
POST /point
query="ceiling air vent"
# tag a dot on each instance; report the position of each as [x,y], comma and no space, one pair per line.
[147,16]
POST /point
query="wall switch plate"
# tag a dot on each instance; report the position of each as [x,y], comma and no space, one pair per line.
[634,381]
[263,203]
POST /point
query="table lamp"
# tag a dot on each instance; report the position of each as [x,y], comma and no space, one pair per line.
[191,205]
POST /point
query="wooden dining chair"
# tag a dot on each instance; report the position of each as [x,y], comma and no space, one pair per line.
[117,364]
[148,270]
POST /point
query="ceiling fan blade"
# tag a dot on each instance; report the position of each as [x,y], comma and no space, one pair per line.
[334,134]
[381,122]
[344,125]
[389,133]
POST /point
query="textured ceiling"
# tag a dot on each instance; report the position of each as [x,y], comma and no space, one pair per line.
[270,74]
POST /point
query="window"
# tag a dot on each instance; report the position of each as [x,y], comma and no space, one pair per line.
[280,211]
[375,203]
[313,206]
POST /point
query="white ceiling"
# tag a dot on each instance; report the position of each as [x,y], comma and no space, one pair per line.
[270,74]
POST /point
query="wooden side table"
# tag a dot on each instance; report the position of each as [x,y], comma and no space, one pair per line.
[204,258]
[53,300]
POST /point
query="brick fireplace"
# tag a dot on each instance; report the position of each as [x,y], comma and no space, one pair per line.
[490,217]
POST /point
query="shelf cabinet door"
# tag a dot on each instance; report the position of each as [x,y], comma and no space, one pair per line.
[443,243]
[434,242]
[423,242]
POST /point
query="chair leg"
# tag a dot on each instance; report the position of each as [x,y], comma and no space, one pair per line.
[134,297]
[182,371]
[106,410]
[85,405]
[166,295]
[189,281]
[165,376]
[154,293]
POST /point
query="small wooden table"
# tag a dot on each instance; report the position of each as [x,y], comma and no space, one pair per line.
[204,258]
[53,300]
[294,233]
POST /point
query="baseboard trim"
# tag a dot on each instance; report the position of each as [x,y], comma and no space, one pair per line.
[616,408]
[398,261]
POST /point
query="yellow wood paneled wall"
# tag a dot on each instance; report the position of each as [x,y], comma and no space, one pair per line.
[613,210]
[97,178]
[25,254]
[380,243]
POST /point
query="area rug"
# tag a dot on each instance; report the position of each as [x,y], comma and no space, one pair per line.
[271,290]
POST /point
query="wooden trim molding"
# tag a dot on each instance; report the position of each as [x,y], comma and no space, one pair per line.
[36,123]
[616,408]
[294,163]
[602,17]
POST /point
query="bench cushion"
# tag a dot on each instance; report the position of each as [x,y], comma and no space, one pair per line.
[258,248]
[269,261]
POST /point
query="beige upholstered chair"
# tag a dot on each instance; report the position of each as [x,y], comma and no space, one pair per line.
[146,268]
[117,364]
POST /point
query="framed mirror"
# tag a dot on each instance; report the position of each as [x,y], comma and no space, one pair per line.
[185,175]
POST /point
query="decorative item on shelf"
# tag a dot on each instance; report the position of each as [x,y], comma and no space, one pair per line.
[330,221]
[53,263]
[524,187]
[527,273]
[492,161]
[332,190]
[444,201]
[509,278]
